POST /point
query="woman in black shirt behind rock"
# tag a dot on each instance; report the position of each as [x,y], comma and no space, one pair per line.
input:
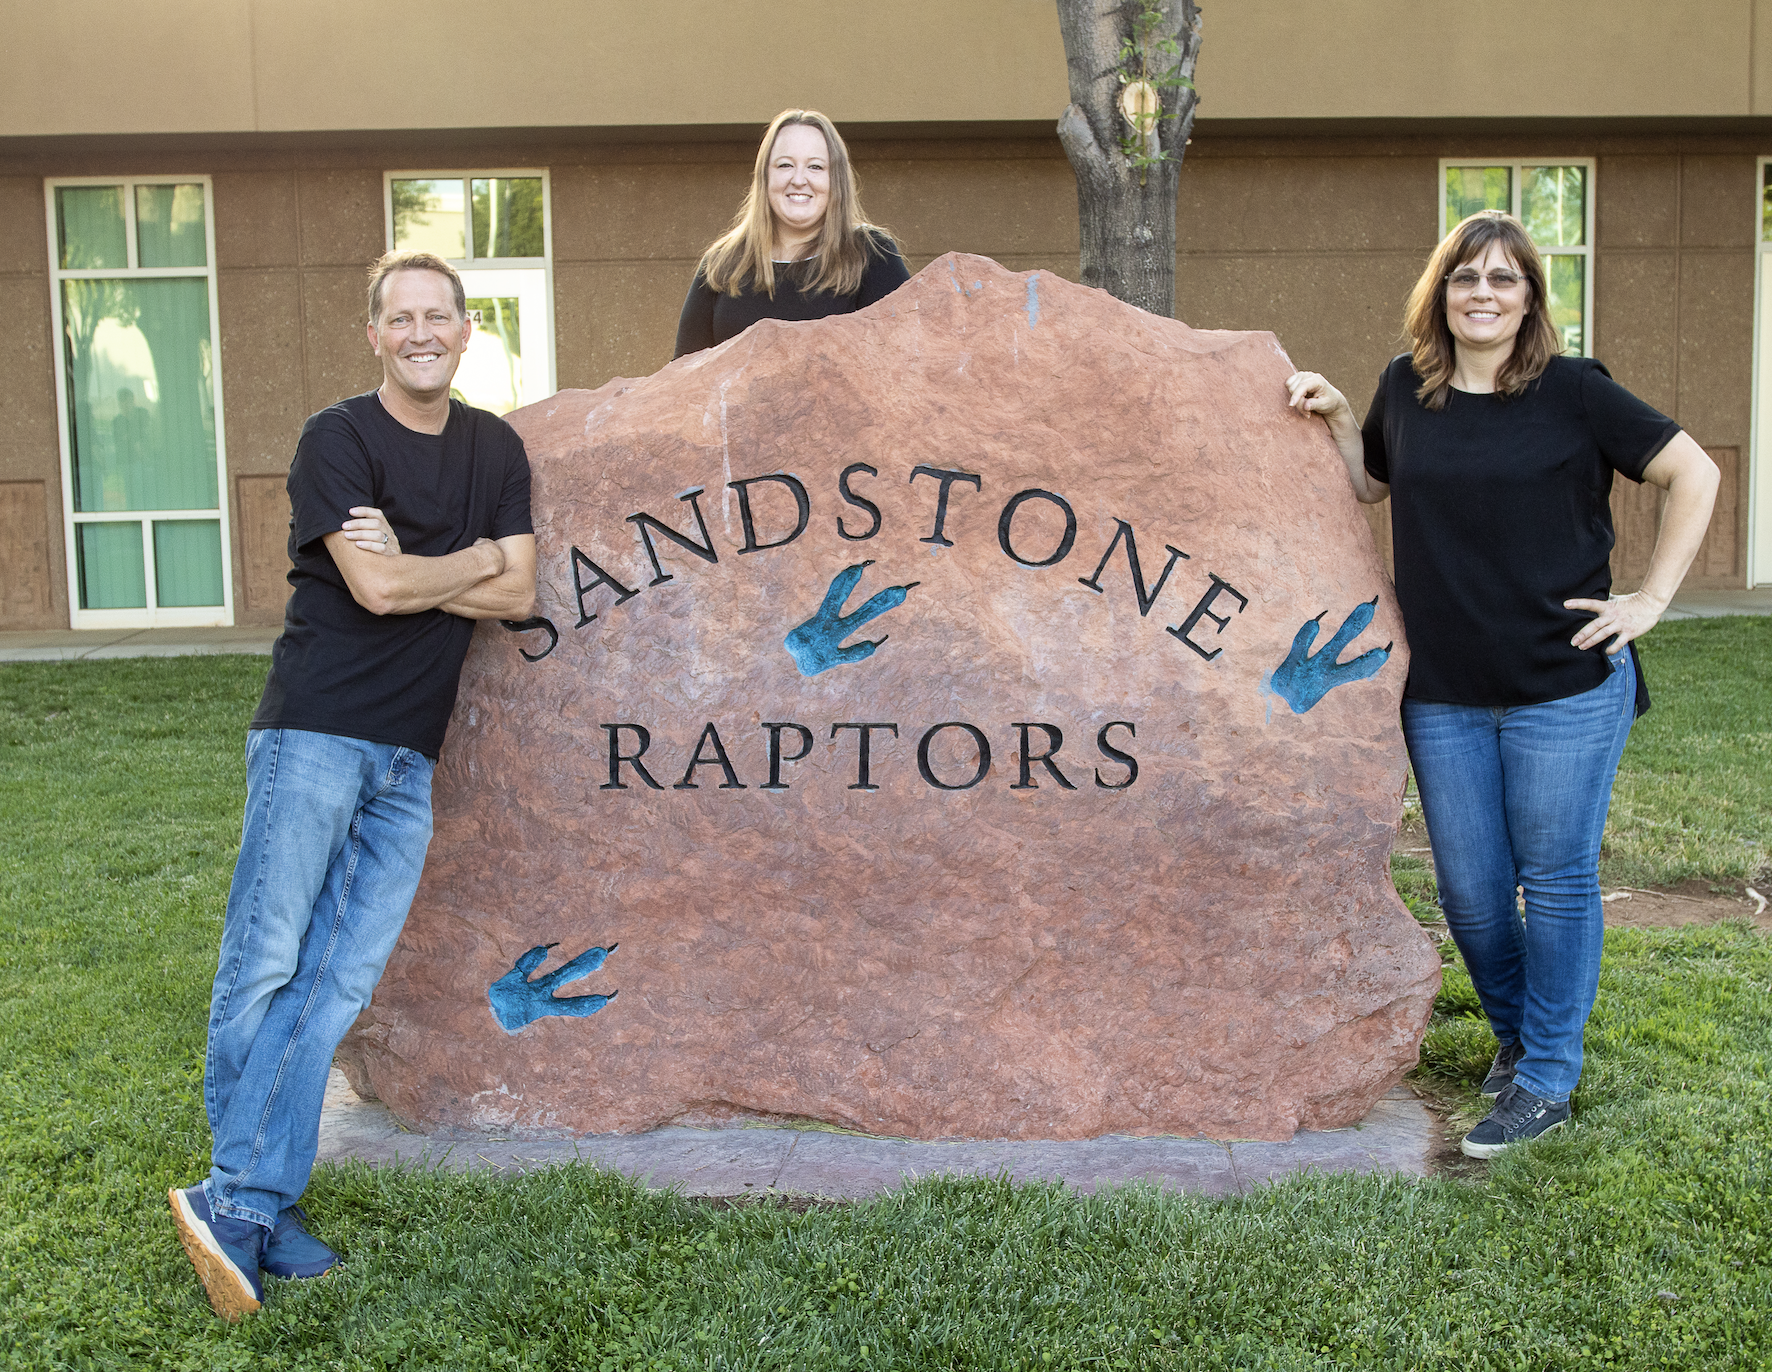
[1498,454]
[799,247]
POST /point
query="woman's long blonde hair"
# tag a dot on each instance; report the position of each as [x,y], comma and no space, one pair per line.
[742,255]
[1425,316]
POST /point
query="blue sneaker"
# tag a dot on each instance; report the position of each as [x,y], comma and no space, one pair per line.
[291,1251]
[224,1251]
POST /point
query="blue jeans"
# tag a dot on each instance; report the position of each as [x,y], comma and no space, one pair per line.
[335,836]
[1517,797]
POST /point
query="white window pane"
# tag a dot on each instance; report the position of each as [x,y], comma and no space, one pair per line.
[1470,189]
[506,362]
[1566,275]
[1553,205]
[89,221]
[187,562]
[169,226]
[430,216]
[491,371]
[507,217]
[141,394]
[110,566]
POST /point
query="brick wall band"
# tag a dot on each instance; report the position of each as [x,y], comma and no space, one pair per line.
[1316,238]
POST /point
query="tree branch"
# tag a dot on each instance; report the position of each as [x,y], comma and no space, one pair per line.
[1092,30]
[1087,158]
[1179,106]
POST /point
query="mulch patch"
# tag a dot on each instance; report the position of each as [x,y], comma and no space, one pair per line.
[1694,901]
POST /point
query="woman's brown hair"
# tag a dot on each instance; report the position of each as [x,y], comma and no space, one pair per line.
[742,255]
[1425,316]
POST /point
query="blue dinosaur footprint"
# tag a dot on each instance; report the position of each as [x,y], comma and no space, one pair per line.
[1305,677]
[517,1001]
[818,643]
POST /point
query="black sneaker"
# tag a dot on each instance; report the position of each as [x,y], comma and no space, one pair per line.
[1518,1116]
[1501,1071]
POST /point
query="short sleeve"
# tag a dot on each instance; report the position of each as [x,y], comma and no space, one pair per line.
[695,326]
[513,501]
[331,473]
[1378,465]
[1628,431]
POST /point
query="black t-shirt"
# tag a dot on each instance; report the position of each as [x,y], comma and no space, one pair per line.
[1500,513]
[336,668]
[710,317]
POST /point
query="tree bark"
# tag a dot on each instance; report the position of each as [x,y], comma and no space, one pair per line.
[1127,229]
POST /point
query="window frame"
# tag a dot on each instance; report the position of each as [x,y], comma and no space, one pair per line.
[1759,483]
[464,264]
[1515,166]
[152,615]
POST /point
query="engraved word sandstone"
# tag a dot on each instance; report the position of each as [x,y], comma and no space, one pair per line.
[971,717]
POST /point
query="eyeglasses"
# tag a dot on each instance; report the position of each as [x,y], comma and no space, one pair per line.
[1501,279]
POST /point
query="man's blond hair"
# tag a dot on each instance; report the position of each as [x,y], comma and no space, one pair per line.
[406,260]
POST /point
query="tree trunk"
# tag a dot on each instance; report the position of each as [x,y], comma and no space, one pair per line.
[1126,212]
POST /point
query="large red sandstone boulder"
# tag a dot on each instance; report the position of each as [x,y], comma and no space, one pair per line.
[968,717]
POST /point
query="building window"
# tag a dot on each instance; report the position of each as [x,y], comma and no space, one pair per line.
[492,227]
[1554,199]
[1759,489]
[132,267]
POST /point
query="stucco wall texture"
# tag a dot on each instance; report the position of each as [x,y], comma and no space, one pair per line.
[1317,238]
[261,67]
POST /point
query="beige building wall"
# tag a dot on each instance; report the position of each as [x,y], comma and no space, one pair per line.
[1317,239]
[263,66]
[33,586]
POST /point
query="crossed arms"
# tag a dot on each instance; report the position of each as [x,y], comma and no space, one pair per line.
[493,579]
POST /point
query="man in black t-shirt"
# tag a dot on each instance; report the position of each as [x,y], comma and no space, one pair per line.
[409,521]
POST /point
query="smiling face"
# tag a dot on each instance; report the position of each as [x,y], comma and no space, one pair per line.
[1483,317]
[799,182]
[420,336]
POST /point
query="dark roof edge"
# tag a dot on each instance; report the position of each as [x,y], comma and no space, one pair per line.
[425,143]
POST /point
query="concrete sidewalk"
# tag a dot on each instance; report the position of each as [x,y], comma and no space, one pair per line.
[69,645]
[1715,604]
[1398,1136]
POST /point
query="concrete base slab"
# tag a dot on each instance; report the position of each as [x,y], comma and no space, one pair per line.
[1398,1136]
[1715,604]
[71,645]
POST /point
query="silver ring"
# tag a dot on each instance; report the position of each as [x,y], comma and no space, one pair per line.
[384,539]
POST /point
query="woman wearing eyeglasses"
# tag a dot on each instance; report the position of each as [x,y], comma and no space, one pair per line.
[799,247]
[1497,453]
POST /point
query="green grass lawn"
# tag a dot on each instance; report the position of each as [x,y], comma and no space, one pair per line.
[1694,795]
[1640,1238]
